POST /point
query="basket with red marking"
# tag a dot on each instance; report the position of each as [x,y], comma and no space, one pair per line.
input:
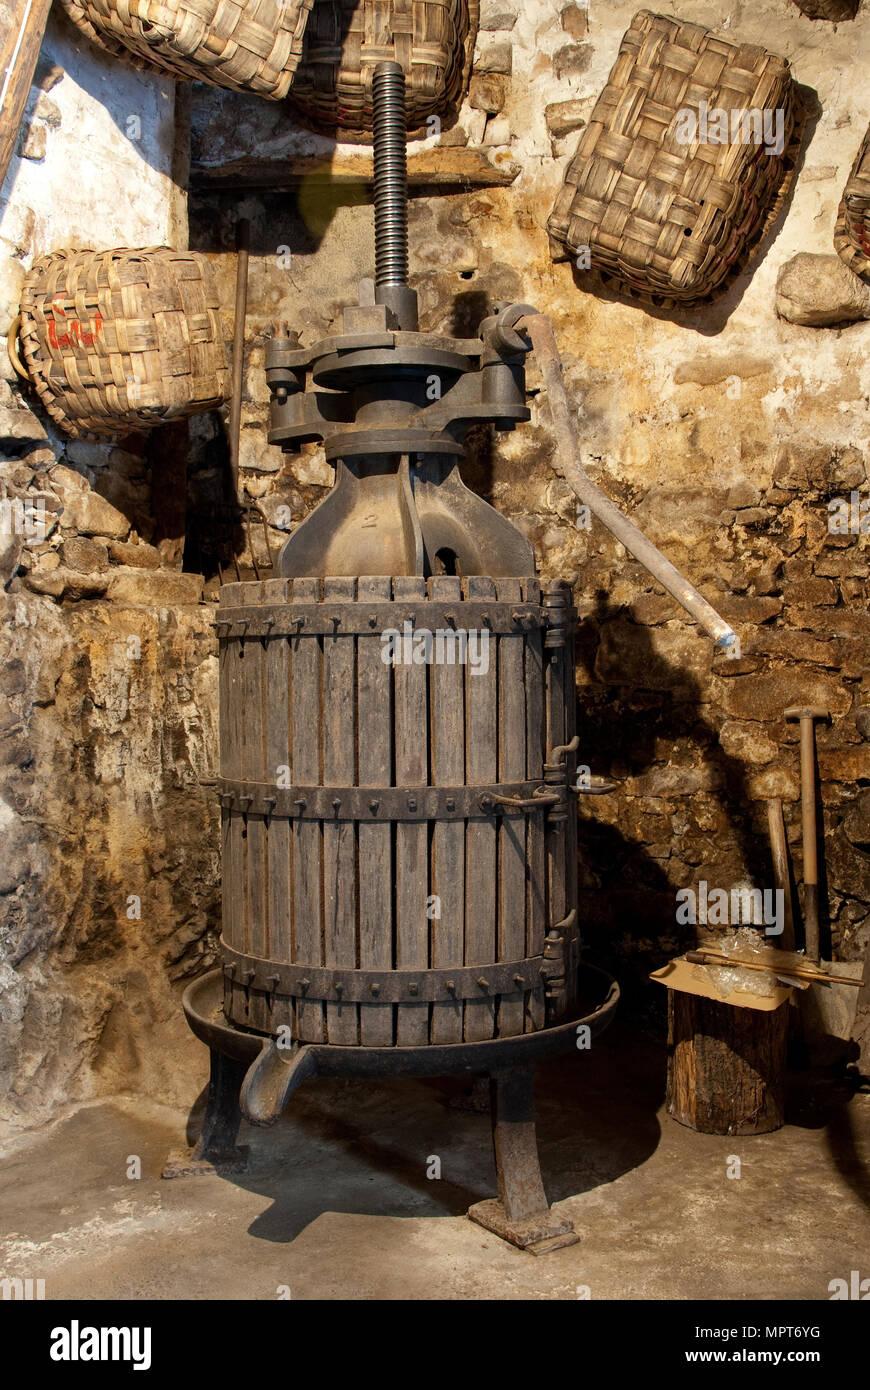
[123,340]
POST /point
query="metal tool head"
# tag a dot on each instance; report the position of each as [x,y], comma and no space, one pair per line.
[807,712]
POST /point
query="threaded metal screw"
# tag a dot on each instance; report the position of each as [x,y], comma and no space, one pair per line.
[390,133]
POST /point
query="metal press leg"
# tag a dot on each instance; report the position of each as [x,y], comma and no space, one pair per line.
[220,1128]
[521,1213]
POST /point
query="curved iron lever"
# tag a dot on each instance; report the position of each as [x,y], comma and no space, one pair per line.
[542,797]
[598,786]
[559,754]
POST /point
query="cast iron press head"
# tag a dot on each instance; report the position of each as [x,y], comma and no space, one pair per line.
[392,407]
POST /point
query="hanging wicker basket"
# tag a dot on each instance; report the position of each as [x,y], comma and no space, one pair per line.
[432,39]
[247,45]
[852,232]
[122,340]
[654,197]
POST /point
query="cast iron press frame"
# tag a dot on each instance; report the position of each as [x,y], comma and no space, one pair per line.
[253,1076]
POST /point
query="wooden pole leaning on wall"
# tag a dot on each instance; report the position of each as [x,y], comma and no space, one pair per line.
[243,235]
[19,50]
[781,869]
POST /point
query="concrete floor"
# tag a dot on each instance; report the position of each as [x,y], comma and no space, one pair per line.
[336,1203]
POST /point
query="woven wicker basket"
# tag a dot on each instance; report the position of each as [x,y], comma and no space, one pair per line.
[432,39]
[668,217]
[248,45]
[123,340]
[852,233]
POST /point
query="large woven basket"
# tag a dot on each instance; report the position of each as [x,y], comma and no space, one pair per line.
[432,39]
[663,216]
[248,45]
[852,233]
[115,341]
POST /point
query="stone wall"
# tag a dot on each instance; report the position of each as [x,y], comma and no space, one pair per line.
[109,870]
[725,431]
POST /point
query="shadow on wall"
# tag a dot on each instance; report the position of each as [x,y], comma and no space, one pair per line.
[627,899]
[138,101]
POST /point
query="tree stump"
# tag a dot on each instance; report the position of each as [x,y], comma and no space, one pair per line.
[726,1065]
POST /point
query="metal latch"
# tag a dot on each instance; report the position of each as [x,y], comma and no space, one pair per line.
[541,797]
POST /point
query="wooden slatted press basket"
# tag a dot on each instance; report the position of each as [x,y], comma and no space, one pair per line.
[852,234]
[398,839]
[246,45]
[123,340]
[663,217]
[432,39]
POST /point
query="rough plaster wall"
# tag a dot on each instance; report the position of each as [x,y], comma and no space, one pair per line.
[107,668]
[723,430]
[101,174]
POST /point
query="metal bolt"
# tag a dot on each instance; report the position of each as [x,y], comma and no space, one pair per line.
[301,803]
[336,805]
[451,803]
[518,980]
[339,987]
[375,988]
[451,985]
[272,982]
[373,619]
[303,984]
[373,807]
[413,989]
[412,803]
[247,976]
[484,984]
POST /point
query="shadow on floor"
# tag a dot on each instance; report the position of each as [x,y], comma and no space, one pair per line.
[372,1144]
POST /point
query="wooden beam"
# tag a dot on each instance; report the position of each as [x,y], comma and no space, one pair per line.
[449,167]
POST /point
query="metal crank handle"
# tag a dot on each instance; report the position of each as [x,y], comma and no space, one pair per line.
[540,331]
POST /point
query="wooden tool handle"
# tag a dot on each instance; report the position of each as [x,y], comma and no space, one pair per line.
[707,957]
[19,50]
